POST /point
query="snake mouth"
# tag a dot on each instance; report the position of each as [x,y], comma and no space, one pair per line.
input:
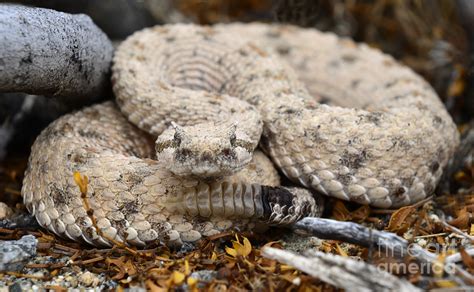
[208,164]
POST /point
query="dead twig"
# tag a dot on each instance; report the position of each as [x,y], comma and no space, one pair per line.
[342,272]
[354,233]
[390,243]
[41,63]
[456,230]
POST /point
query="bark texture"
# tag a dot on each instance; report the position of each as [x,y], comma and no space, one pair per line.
[46,52]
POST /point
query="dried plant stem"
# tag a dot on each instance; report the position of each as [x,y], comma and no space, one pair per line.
[342,272]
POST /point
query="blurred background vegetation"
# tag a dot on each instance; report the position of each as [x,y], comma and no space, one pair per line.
[435,38]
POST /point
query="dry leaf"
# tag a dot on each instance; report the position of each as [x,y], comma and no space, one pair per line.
[446,284]
[192,284]
[466,259]
[177,278]
[125,268]
[462,219]
[284,268]
[361,214]
[151,286]
[438,266]
[239,249]
[457,87]
[274,244]
[187,270]
[340,212]
[341,251]
[231,251]
[398,221]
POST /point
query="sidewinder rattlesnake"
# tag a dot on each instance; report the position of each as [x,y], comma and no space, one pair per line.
[378,135]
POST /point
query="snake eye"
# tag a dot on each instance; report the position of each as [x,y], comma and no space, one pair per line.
[177,138]
[232,139]
[226,152]
[183,154]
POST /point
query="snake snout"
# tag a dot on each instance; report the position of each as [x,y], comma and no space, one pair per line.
[207,156]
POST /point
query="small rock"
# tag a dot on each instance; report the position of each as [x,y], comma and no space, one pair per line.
[20,220]
[5,211]
[89,279]
[422,242]
[21,285]
[14,254]
[299,243]
[72,281]
[204,276]
[316,242]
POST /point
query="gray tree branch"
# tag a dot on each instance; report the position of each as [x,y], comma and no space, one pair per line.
[342,272]
[46,52]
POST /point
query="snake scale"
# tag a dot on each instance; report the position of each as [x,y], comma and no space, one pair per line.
[335,117]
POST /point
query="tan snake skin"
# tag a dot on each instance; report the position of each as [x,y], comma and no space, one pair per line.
[383,139]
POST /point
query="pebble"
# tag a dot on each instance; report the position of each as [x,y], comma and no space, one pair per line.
[89,279]
[5,211]
[14,254]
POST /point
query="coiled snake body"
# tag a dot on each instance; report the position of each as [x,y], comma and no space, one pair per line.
[383,137]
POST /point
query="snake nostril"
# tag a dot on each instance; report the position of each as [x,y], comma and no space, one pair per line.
[206,156]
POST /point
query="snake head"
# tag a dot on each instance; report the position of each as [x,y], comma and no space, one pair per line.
[204,150]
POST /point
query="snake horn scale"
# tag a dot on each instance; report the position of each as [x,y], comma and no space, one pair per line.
[171,160]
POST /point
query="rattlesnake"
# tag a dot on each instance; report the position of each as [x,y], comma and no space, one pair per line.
[382,139]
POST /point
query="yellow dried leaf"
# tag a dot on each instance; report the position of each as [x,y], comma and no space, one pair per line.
[247,247]
[284,268]
[241,249]
[446,283]
[341,251]
[192,281]
[187,270]
[192,284]
[287,277]
[214,256]
[231,251]
[460,175]
[249,264]
[438,266]
[177,277]
[151,286]
[81,181]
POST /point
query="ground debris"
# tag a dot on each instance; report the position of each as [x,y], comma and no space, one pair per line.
[235,260]
[442,225]
[16,253]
